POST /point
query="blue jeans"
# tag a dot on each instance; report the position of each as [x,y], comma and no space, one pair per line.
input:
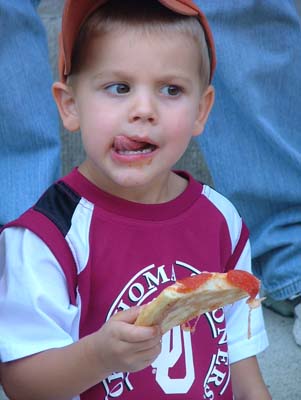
[29,124]
[252,141]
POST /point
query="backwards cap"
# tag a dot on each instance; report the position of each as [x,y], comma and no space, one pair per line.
[75,15]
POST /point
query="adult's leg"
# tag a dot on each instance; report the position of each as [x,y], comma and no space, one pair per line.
[29,125]
[252,142]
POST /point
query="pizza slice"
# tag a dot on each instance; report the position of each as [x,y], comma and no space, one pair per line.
[193,296]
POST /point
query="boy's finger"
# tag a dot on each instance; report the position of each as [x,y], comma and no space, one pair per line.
[129,315]
[134,333]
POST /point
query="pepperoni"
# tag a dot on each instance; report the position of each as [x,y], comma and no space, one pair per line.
[192,282]
[245,281]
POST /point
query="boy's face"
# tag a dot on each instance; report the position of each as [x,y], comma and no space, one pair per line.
[138,102]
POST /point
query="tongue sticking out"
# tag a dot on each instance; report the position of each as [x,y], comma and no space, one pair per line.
[126,145]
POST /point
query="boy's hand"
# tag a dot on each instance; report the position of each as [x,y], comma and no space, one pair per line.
[120,346]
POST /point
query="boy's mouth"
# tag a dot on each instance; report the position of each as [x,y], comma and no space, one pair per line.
[124,145]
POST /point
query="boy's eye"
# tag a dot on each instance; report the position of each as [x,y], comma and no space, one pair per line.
[171,90]
[118,88]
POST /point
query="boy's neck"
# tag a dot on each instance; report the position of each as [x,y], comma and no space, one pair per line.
[164,189]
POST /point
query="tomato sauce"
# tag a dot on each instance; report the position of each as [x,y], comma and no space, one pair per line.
[192,282]
[245,281]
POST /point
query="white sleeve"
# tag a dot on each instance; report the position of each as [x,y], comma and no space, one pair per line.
[239,345]
[35,311]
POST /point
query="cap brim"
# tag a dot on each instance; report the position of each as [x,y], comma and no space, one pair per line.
[181,7]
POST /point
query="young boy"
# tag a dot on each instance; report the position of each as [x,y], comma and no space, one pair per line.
[108,237]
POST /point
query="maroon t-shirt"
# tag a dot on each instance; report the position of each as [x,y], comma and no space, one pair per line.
[123,254]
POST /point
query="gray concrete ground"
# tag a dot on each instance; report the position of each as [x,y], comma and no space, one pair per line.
[281,362]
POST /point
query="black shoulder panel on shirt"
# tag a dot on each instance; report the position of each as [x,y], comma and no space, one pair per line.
[58,204]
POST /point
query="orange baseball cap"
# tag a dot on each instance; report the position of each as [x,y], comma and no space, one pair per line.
[77,11]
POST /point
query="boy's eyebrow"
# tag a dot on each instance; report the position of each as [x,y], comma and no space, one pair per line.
[175,77]
[123,75]
[114,75]
[109,72]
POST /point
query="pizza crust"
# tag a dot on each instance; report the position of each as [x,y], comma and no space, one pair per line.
[175,307]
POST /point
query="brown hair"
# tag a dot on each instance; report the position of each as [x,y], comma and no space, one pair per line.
[147,16]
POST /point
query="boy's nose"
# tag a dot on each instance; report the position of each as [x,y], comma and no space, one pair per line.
[143,109]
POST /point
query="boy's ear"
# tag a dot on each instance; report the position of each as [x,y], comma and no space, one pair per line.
[65,101]
[205,106]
